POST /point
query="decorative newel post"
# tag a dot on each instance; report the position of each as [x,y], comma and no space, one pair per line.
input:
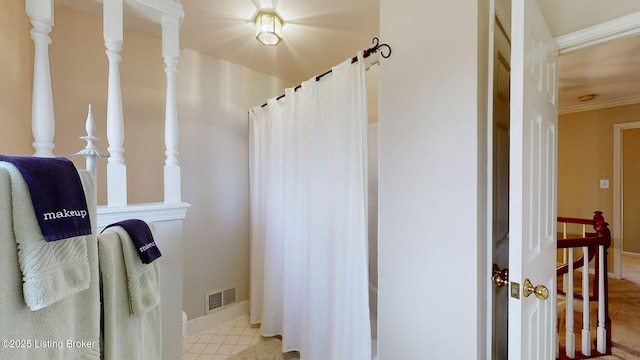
[170,53]
[40,14]
[90,152]
[116,168]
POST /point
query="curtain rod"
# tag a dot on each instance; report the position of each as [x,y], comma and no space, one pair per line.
[366,53]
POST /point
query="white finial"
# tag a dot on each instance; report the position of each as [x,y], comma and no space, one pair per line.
[90,125]
[90,152]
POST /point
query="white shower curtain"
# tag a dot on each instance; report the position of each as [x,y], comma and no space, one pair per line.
[308,170]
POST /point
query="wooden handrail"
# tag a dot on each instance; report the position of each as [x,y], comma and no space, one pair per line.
[602,236]
[597,218]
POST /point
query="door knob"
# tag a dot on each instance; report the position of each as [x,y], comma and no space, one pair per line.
[500,277]
[541,291]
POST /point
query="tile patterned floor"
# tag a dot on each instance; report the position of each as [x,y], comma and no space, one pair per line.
[221,342]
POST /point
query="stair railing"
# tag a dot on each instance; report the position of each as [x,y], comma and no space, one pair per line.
[593,247]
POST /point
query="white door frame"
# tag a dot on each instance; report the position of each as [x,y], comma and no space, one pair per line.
[618,194]
[498,11]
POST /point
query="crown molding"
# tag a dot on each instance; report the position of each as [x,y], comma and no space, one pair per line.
[599,105]
[621,27]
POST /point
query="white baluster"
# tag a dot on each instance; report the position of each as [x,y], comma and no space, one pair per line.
[170,53]
[115,121]
[40,14]
[116,168]
[602,330]
[90,152]
[586,329]
[570,337]
[565,258]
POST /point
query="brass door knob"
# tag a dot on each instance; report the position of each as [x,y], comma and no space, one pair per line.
[500,277]
[541,291]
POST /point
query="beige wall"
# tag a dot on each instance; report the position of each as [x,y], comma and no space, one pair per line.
[214,97]
[79,71]
[585,155]
[16,66]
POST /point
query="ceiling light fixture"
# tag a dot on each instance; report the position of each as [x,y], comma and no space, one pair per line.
[268,28]
[587,97]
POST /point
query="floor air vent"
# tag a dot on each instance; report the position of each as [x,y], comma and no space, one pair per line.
[214,301]
[229,296]
[218,299]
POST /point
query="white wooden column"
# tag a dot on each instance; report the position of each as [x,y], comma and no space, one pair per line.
[116,168]
[170,53]
[40,14]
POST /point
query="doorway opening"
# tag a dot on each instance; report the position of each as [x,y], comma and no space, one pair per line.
[626,180]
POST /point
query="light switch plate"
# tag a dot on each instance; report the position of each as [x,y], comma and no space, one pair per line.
[604,183]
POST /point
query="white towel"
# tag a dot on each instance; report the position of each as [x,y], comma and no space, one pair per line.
[51,271]
[125,335]
[66,329]
[142,281]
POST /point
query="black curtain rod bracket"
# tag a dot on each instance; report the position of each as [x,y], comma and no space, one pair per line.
[377,47]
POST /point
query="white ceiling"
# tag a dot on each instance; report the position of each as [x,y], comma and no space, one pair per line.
[316,34]
[611,71]
[320,34]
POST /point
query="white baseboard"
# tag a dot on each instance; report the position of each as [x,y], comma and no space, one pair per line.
[213,320]
[631,254]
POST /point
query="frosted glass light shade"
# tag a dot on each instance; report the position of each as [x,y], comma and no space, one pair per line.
[268,28]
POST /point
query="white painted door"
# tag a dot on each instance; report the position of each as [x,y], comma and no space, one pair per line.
[532,184]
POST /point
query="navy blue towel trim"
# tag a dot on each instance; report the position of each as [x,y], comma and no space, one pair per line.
[58,198]
[142,238]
